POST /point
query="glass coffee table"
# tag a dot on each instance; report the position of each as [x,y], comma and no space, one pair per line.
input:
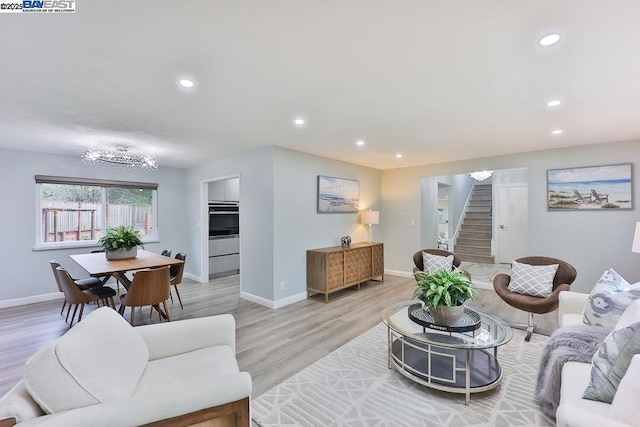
[455,359]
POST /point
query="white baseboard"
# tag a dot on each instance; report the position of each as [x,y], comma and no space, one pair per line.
[31,300]
[290,300]
[192,276]
[398,273]
[273,304]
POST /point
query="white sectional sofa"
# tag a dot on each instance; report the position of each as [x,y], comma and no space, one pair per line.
[103,372]
[574,411]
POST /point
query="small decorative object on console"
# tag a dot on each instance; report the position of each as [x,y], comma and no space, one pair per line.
[345,241]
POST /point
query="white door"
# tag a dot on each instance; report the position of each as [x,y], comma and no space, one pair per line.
[511,222]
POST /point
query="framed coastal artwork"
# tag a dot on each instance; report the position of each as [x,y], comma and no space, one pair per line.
[338,195]
[590,188]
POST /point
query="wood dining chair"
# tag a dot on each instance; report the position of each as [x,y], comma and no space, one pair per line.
[78,297]
[105,277]
[87,283]
[176,272]
[149,287]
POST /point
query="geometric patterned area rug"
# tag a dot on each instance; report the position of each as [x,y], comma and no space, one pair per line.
[354,387]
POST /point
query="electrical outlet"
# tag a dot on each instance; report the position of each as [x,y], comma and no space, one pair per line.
[282,286]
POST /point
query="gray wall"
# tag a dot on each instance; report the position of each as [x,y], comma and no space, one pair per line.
[27,272]
[256,217]
[298,226]
[278,218]
[510,176]
[592,241]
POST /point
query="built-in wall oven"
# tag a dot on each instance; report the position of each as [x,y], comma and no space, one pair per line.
[224,219]
[224,238]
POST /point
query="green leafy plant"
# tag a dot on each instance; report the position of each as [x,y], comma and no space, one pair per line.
[450,288]
[121,237]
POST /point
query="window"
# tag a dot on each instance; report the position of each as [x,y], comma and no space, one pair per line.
[77,211]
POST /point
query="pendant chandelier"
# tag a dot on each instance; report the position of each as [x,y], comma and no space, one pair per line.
[481,175]
[120,156]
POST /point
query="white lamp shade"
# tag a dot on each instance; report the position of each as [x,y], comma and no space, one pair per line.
[636,239]
[371,217]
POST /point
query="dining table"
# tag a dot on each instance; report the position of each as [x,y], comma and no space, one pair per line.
[96,264]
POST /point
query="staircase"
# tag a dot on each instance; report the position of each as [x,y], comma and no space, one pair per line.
[474,239]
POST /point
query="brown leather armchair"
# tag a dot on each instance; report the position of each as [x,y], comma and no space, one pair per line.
[562,281]
[419,263]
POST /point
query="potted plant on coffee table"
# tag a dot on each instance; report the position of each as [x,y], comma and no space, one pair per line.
[443,294]
[121,242]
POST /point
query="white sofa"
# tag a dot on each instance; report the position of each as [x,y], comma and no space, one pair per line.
[103,372]
[575,411]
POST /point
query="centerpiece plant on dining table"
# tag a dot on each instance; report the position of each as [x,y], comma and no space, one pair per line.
[443,293]
[121,242]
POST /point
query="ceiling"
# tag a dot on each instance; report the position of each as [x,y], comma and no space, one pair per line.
[437,81]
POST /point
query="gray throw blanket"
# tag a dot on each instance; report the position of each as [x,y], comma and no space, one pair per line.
[571,343]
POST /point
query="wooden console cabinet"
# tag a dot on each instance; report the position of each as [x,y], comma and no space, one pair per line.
[332,269]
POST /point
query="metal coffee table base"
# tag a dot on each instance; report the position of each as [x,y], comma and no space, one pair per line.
[448,369]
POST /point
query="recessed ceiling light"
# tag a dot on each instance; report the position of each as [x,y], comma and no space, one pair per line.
[556,132]
[549,39]
[553,103]
[186,83]
[298,122]
[360,142]
[399,156]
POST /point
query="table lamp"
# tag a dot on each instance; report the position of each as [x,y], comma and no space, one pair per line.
[373,217]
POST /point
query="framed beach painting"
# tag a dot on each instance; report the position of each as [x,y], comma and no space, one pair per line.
[590,188]
[338,195]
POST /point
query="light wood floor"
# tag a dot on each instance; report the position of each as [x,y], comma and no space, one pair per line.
[272,345]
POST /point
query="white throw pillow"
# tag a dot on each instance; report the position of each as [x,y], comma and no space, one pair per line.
[625,406]
[99,360]
[534,280]
[630,316]
[609,298]
[434,263]
[612,360]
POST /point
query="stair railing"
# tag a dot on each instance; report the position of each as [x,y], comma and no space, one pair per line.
[463,214]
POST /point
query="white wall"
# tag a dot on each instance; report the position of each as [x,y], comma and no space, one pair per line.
[592,241]
[27,272]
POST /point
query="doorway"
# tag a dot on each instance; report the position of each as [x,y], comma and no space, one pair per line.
[221,227]
[511,221]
